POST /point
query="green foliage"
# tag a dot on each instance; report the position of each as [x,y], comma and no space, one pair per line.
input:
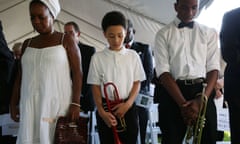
[227,136]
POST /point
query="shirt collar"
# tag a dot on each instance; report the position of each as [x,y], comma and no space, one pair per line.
[177,21]
[122,51]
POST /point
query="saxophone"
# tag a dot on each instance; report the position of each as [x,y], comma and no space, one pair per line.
[194,133]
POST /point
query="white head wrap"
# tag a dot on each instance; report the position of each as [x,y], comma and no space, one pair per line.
[53,6]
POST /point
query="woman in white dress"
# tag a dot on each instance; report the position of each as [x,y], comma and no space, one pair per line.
[49,81]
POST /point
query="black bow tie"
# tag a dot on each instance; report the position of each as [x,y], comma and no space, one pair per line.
[189,25]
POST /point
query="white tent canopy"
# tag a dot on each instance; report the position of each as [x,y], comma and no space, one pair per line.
[148,16]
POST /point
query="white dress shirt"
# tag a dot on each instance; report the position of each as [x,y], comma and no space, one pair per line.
[186,53]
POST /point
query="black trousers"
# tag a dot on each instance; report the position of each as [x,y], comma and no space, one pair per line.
[171,122]
[129,136]
[232,95]
[7,139]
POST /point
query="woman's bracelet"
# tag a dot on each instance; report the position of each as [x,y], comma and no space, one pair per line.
[76,104]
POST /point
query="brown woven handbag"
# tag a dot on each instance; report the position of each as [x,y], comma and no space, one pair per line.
[71,132]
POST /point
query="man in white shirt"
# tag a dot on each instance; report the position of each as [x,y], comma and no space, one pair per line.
[186,56]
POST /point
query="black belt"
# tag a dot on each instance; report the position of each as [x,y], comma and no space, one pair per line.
[190,81]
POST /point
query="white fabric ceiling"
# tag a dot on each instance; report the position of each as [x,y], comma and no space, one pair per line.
[148,17]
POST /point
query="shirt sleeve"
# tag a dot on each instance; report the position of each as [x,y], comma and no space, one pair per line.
[161,53]
[93,74]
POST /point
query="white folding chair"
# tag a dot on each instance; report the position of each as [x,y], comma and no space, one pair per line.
[93,134]
[152,129]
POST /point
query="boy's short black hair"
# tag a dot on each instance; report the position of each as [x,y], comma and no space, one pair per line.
[113,18]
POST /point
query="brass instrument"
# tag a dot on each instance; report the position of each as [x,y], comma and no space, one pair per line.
[194,132]
[121,126]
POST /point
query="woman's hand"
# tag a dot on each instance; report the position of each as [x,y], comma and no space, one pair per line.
[14,111]
[73,112]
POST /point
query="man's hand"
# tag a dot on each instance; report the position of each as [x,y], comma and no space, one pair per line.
[190,110]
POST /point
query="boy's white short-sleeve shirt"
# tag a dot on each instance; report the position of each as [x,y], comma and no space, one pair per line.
[122,68]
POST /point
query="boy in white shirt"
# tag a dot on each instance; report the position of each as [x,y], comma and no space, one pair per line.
[122,67]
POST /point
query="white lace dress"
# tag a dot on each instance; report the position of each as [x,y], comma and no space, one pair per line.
[45,93]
